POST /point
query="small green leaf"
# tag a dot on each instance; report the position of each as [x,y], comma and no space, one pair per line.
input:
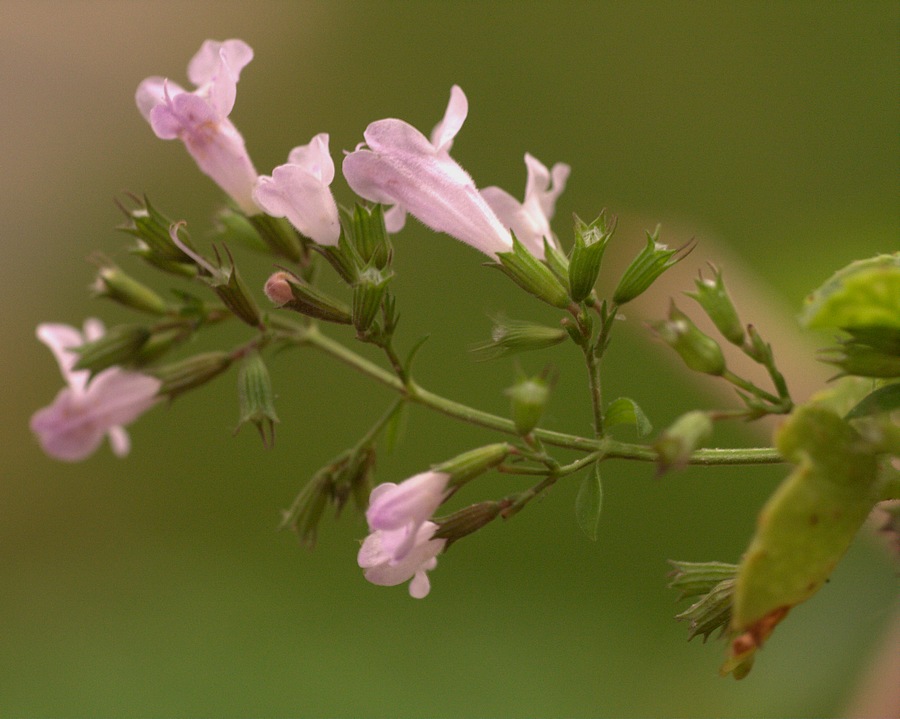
[589,502]
[626,411]
[886,399]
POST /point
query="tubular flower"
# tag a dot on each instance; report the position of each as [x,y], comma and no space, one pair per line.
[200,118]
[73,426]
[530,219]
[401,167]
[400,545]
[376,557]
[299,190]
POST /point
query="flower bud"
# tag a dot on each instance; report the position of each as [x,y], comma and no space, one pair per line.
[513,336]
[256,398]
[587,254]
[699,351]
[532,275]
[305,513]
[469,465]
[861,360]
[368,292]
[465,521]
[643,271]
[529,398]
[715,301]
[113,283]
[683,436]
[235,295]
[119,346]
[290,292]
[179,377]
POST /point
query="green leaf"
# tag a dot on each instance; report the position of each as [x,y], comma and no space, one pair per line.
[626,411]
[885,399]
[589,502]
[865,293]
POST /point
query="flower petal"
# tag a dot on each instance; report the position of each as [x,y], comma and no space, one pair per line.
[457,109]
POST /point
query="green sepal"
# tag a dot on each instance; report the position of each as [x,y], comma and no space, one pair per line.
[674,446]
[179,377]
[692,579]
[510,337]
[468,465]
[233,226]
[589,503]
[118,346]
[532,275]
[699,351]
[625,410]
[650,263]
[528,398]
[114,284]
[368,293]
[255,397]
[364,228]
[312,302]
[713,297]
[466,521]
[279,236]
[587,255]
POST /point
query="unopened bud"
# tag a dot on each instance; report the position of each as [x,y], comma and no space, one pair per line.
[683,436]
[465,521]
[643,271]
[469,465]
[290,292]
[512,336]
[179,377]
[699,351]
[114,284]
[716,302]
[587,254]
[528,399]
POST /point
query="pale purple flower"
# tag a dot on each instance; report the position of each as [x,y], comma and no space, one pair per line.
[530,219]
[86,410]
[376,556]
[200,118]
[402,167]
[406,506]
[299,190]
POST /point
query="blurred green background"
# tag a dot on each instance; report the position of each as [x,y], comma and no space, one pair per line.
[158,585]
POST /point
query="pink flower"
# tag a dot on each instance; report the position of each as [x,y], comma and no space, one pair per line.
[382,568]
[530,219]
[73,426]
[402,167]
[400,545]
[200,118]
[299,190]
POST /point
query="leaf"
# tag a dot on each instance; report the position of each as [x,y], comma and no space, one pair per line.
[886,399]
[865,293]
[588,503]
[626,411]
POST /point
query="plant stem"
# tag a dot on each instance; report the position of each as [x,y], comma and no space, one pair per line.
[606,447]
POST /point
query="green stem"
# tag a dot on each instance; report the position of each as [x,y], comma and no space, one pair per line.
[606,447]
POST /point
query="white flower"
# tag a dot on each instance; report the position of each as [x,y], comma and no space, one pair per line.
[299,190]
[86,410]
[402,167]
[530,219]
[200,118]
[376,556]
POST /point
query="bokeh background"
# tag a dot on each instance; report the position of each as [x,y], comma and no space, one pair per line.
[159,586]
